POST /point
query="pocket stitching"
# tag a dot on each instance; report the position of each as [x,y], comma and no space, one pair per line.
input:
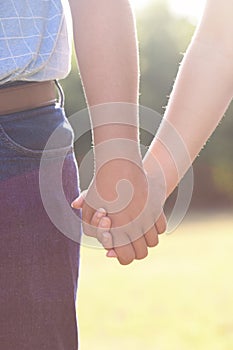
[10,143]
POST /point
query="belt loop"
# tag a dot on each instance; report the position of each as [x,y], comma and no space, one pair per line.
[61,94]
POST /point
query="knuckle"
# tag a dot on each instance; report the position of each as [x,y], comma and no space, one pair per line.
[163,223]
[152,243]
[125,262]
[94,221]
[87,233]
[162,227]
[126,259]
[157,242]
[142,255]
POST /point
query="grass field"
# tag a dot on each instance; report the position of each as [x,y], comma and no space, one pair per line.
[180,298]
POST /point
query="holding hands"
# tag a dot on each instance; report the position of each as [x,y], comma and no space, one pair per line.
[132,216]
[108,61]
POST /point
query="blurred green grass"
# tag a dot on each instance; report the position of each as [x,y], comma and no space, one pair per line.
[180,298]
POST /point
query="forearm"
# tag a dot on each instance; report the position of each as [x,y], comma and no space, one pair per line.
[107,53]
[201,95]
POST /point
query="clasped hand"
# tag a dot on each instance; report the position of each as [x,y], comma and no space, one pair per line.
[122,208]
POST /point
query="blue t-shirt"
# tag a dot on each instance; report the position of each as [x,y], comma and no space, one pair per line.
[35,40]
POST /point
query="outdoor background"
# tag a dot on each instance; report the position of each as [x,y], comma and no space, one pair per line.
[181,296]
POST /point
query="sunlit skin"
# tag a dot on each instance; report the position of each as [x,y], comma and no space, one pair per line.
[191,8]
[202,92]
[139,4]
[108,58]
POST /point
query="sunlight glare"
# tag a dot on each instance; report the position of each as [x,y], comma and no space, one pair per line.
[139,4]
[192,9]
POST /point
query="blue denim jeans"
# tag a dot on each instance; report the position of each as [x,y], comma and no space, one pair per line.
[38,263]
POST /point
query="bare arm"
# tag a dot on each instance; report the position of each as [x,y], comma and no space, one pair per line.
[202,92]
[107,54]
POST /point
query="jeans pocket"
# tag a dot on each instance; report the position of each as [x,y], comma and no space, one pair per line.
[44,131]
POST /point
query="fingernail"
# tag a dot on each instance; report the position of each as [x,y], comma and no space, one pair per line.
[101,212]
[104,223]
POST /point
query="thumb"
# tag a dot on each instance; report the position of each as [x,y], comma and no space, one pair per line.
[78,202]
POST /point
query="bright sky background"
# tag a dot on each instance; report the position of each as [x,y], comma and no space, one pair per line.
[190,8]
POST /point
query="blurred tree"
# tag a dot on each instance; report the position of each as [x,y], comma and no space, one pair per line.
[72,86]
[162,39]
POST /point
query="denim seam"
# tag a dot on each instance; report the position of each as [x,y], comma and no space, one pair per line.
[33,153]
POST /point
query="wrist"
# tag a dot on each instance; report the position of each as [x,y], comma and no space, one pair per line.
[117,149]
[159,163]
[114,120]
